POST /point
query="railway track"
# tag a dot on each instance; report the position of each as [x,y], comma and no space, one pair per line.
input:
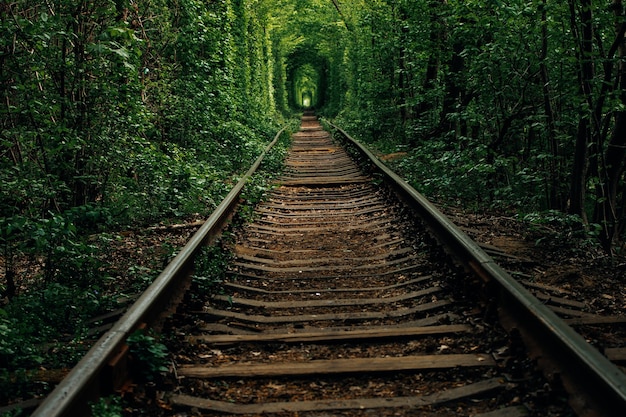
[338,302]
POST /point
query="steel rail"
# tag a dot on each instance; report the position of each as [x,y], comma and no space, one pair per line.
[88,380]
[583,365]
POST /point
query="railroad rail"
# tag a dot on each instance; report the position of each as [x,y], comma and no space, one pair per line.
[338,299]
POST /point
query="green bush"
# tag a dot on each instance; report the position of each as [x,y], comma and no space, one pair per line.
[107,407]
[150,356]
[210,270]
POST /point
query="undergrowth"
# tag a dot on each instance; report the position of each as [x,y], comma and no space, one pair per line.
[150,357]
[211,263]
[47,311]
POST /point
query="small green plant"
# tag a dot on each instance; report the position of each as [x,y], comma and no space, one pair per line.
[150,356]
[107,407]
[141,276]
[261,182]
[564,230]
[13,413]
[12,384]
[253,193]
[210,270]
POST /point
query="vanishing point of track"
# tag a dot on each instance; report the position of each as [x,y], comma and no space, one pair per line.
[339,302]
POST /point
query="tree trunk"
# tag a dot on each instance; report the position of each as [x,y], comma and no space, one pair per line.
[579,171]
[555,199]
[580,166]
[437,38]
[607,212]
[454,92]
[402,71]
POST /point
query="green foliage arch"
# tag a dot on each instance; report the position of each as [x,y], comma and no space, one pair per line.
[306,78]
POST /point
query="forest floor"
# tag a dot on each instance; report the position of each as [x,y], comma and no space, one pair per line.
[550,255]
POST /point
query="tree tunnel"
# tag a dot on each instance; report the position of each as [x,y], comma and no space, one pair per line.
[306,78]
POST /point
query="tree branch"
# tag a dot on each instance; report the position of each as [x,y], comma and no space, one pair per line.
[343,17]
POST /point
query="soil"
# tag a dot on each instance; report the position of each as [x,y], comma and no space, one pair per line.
[549,255]
[572,267]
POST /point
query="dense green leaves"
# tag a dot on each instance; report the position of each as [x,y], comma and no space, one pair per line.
[114,114]
[517,105]
[119,106]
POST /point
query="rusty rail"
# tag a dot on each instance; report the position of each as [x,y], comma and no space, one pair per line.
[92,377]
[582,366]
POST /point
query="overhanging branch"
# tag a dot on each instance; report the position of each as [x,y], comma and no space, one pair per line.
[343,17]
